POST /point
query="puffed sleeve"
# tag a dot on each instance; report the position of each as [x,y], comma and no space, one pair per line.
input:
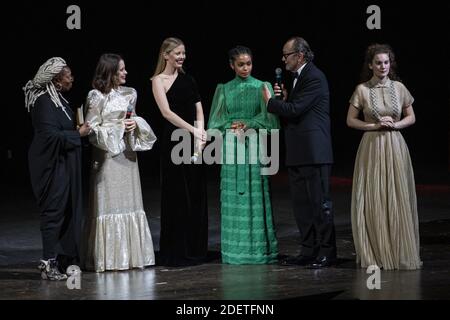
[219,118]
[264,119]
[356,99]
[406,99]
[142,138]
[105,135]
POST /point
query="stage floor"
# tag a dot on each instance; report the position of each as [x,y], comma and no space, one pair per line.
[20,251]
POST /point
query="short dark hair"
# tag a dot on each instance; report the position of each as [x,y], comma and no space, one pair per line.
[234,53]
[105,76]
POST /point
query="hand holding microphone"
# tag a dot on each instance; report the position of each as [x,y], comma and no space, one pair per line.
[129,112]
[278,88]
[130,124]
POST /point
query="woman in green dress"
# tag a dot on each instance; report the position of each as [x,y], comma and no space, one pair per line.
[239,112]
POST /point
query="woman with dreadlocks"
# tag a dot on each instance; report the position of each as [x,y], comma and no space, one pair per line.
[55,166]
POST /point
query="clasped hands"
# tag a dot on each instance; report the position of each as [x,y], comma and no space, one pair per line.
[387,123]
[238,128]
[201,136]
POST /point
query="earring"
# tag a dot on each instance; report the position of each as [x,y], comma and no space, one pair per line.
[58,86]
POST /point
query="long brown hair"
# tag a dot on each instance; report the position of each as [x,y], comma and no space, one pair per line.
[105,77]
[371,52]
[168,45]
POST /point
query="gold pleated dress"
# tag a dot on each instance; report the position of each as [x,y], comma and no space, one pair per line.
[384,205]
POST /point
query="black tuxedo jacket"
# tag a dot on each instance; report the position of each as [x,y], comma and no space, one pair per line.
[306,115]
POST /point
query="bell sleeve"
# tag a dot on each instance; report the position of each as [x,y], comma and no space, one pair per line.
[219,118]
[264,119]
[142,138]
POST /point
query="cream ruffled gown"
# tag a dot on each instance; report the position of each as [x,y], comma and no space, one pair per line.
[118,235]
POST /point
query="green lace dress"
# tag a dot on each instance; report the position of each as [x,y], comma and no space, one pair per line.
[247,228]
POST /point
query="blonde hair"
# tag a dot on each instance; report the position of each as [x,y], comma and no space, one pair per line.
[166,47]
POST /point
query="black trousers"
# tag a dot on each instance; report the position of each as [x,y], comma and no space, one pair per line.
[313,209]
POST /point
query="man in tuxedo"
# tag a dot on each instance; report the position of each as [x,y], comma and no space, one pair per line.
[306,114]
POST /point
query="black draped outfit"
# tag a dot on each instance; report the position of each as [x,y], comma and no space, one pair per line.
[55,171]
[184,215]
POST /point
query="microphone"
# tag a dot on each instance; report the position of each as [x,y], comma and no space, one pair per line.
[279,80]
[128,115]
[197,152]
[278,77]
[129,112]
[197,145]
[194,158]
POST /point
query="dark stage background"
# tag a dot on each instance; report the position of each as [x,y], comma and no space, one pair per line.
[336,30]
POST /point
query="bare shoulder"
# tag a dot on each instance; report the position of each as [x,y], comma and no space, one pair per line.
[157,79]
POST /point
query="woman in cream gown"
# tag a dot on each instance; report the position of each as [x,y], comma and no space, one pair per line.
[384,206]
[119,237]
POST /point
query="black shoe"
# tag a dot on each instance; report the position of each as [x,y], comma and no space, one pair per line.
[322,262]
[297,261]
[63,262]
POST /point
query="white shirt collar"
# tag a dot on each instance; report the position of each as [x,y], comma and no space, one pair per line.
[299,71]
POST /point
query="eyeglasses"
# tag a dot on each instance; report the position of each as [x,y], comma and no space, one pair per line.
[286,55]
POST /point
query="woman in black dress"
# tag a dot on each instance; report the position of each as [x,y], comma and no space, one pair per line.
[55,166]
[184,215]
